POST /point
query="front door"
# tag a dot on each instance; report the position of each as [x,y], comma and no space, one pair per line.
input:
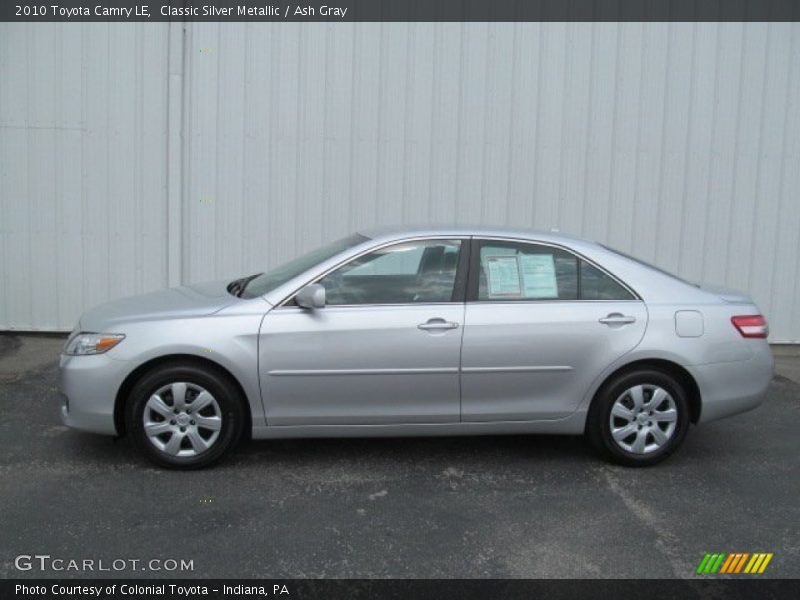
[384,350]
[541,325]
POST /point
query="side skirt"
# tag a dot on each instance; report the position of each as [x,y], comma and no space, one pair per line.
[571,425]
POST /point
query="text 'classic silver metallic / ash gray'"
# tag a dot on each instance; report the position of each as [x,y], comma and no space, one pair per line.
[443,331]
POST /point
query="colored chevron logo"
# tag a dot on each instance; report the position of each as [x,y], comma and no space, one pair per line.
[735,563]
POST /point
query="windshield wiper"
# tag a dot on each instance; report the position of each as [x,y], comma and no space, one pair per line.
[237,286]
[234,287]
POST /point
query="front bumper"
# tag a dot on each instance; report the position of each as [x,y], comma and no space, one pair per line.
[89,387]
[730,388]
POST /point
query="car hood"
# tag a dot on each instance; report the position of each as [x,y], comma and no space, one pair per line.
[186,301]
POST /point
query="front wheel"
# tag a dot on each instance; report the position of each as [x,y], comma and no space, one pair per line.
[184,416]
[639,418]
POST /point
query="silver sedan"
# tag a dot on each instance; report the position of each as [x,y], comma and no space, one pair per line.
[421,332]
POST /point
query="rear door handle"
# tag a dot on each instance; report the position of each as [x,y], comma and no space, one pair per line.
[437,325]
[617,319]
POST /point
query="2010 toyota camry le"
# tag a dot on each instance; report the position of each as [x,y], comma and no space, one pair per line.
[421,331]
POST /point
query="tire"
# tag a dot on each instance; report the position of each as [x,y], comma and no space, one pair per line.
[188,433]
[642,401]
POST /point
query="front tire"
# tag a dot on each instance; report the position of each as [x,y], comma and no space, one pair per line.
[639,418]
[183,416]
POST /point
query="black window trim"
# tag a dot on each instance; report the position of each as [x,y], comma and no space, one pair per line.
[474,271]
[459,285]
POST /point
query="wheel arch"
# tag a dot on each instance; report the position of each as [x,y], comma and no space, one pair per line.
[123,393]
[686,380]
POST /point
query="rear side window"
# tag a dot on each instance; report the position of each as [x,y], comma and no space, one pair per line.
[525,272]
[512,271]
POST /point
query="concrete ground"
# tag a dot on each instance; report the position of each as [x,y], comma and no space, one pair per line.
[451,507]
[787,361]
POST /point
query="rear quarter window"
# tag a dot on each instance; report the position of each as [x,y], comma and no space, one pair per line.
[597,285]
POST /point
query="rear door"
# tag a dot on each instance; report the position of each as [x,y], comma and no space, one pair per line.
[541,324]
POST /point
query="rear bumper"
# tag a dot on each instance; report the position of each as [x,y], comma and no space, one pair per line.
[730,388]
[89,386]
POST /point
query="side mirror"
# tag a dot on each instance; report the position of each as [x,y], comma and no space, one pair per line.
[311,296]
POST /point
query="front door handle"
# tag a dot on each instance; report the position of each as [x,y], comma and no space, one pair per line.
[437,325]
[617,319]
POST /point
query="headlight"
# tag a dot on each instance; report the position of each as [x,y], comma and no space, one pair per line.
[92,343]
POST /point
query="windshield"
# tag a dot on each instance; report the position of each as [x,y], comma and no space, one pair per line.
[266,282]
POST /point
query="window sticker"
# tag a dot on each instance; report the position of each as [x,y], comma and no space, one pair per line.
[503,277]
[487,251]
[538,276]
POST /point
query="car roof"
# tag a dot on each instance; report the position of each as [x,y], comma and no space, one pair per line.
[399,231]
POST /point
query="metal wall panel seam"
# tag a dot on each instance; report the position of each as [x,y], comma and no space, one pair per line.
[731,211]
[175,97]
[186,107]
[687,147]
[794,48]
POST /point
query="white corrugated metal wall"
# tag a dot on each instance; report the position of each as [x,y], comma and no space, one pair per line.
[678,142]
[82,168]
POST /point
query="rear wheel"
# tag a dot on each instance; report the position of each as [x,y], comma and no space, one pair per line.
[184,416]
[639,418]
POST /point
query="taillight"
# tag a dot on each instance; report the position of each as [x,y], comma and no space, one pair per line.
[751,326]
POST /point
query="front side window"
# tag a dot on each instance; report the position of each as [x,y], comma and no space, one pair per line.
[521,271]
[406,273]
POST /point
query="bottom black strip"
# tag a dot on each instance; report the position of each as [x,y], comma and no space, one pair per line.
[406,589]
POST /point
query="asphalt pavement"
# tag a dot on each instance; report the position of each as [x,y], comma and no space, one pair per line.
[512,506]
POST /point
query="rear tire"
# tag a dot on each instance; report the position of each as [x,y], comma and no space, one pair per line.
[639,418]
[182,416]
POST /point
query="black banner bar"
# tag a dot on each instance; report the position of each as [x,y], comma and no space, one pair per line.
[399,589]
[400,10]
